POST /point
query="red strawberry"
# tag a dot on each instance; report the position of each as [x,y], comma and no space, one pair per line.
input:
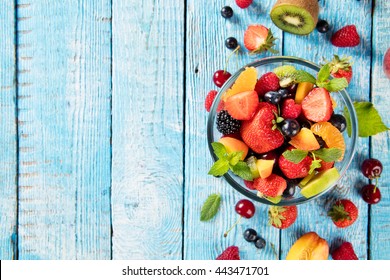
[231,253]
[209,99]
[271,186]
[344,252]
[343,213]
[341,67]
[258,38]
[249,184]
[282,216]
[243,105]
[244,3]
[317,105]
[290,110]
[258,134]
[346,37]
[294,170]
[268,82]
[325,166]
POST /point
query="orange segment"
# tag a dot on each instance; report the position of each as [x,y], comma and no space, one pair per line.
[334,103]
[246,81]
[331,135]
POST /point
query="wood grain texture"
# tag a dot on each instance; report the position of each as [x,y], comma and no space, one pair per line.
[380,84]
[206,53]
[313,216]
[147,142]
[8,190]
[64,129]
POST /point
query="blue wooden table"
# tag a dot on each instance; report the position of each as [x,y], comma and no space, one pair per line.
[103,129]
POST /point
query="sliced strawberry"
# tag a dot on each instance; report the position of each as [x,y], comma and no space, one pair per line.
[242,106]
[272,186]
[290,110]
[317,105]
[258,38]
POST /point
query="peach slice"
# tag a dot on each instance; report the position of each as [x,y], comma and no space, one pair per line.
[234,145]
[305,140]
[265,167]
[309,246]
[302,90]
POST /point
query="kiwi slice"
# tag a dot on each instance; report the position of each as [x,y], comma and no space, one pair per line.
[251,161]
[295,16]
[274,200]
[285,74]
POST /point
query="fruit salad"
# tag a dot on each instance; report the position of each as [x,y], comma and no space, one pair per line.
[280,133]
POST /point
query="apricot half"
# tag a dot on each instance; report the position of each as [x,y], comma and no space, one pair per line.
[309,246]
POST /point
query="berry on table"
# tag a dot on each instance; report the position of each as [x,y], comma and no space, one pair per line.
[245,208]
[243,4]
[341,67]
[226,124]
[282,216]
[231,43]
[210,99]
[260,243]
[258,38]
[371,194]
[344,252]
[338,121]
[386,63]
[230,253]
[290,127]
[372,168]
[220,77]
[343,213]
[346,37]
[322,26]
[227,12]
[250,235]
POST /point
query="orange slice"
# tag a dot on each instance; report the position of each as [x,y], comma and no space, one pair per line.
[334,103]
[246,81]
[331,135]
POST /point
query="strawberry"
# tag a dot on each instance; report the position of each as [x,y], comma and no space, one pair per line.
[282,216]
[243,105]
[272,186]
[341,67]
[209,99]
[231,253]
[346,37]
[343,213]
[290,110]
[325,165]
[317,105]
[258,38]
[249,184]
[295,170]
[244,3]
[268,82]
[344,252]
[258,134]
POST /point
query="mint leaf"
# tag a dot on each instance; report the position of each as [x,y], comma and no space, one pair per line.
[369,121]
[336,84]
[324,73]
[235,157]
[210,207]
[328,155]
[219,149]
[242,170]
[303,76]
[219,168]
[314,164]
[295,156]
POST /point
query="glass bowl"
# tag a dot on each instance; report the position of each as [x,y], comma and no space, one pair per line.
[342,99]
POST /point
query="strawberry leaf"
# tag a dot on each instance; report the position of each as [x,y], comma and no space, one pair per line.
[210,207]
[242,170]
[219,168]
[219,149]
[295,156]
[328,155]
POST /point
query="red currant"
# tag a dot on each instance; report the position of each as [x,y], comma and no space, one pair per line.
[245,208]
[371,194]
[220,77]
[372,168]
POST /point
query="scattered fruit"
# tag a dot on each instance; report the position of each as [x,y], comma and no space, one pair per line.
[386,63]
[331,135]
[231,253]
[267,82]
[371,194]
[295,16]
[220,77]
[245,208]
[303,89]
[338,121]
[258,38]
[265,167]
[290,127]
[346,37]
[245,81]
[226,124]
[343,213]
[372,168]
[227,12]
[272,186]
[243,105]
[344,252]
[250,235]
[309,246]
[295,170]
[210,99]
[234,145]
[317,105]
[341,67]
[290,110]
[282,216]
[243,4]
[305,140]
[322,26]
[320,182]
[260,243]
[231,43]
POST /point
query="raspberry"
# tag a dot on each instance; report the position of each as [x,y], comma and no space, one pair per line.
[268,82]
[290,110]
[244,3]
[231,253]
[209,99]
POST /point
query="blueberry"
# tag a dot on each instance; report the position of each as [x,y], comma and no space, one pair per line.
[322,26]
[260,243]
[231,43]
[320,141]
[338,121]
[285,93]
[290,190]
[250,235]
[227,12]
[273,97]
[290,127]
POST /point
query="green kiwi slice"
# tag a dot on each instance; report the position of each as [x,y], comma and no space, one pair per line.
[285,74]
[295,16]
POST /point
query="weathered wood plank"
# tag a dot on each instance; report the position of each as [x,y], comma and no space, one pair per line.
[147,140]
[380,144]
[312,216]
[8,189]
[64,129]
[206,53]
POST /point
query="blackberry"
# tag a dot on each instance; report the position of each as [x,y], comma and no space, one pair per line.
[226,124]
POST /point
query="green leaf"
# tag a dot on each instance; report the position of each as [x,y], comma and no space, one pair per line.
[235,157]
[210,207]
[369,121]
[295,156]
[314,164]
[242,170]
[303,76]
[324,73]
[336,84]
[219,168]
[328,155]
[219,149]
